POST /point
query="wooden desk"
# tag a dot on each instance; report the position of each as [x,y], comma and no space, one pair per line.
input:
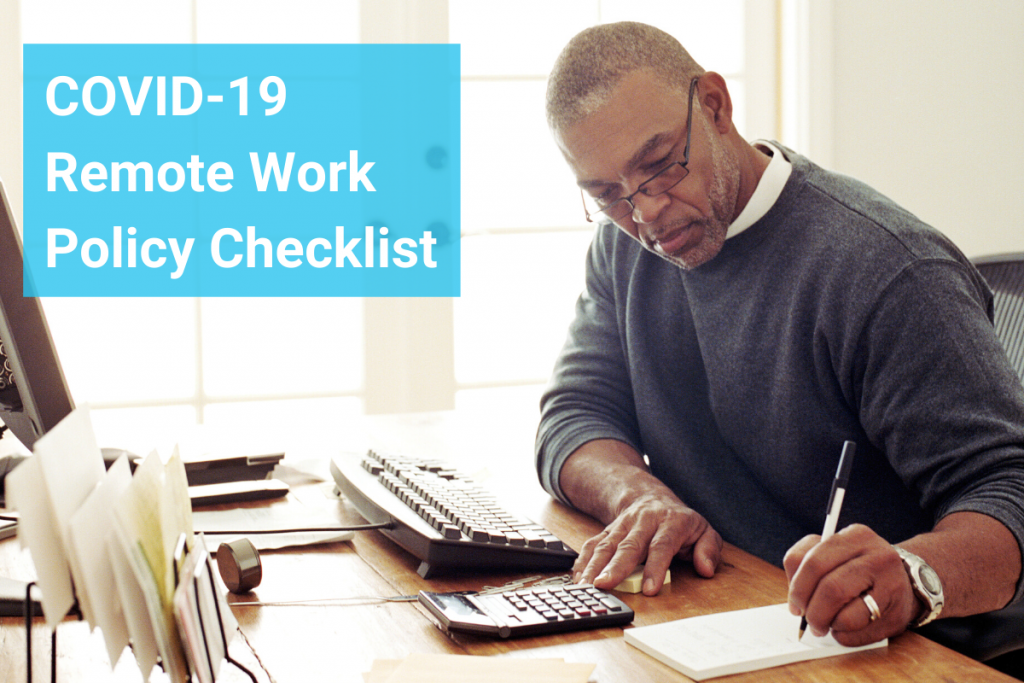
[334,642]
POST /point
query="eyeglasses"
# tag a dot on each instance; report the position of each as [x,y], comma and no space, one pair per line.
[661,182]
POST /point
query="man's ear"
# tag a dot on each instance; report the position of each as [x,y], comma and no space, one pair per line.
[715,99]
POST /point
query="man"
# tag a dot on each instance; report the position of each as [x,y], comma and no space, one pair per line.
[745,313]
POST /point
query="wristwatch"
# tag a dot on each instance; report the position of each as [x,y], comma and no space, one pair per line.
[926,584]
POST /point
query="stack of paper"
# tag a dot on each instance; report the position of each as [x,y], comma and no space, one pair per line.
[733,642]
[114,542]
[434,668]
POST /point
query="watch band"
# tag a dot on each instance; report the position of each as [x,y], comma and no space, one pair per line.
[926,584]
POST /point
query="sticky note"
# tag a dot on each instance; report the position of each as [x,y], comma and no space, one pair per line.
[635,581]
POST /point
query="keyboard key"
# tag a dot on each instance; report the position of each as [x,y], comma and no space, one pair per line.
[533,539]
[515,539]
[551,543]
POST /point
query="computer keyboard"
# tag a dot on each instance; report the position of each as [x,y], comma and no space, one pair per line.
[443,518]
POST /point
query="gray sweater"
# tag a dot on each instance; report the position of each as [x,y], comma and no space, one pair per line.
[838,315]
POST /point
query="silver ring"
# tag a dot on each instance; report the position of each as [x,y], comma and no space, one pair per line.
[872,606]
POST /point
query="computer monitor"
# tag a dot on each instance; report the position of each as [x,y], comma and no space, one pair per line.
[39,398]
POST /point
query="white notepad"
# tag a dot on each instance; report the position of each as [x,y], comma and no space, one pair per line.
[733,642]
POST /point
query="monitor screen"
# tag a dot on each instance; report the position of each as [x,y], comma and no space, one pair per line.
[34,395]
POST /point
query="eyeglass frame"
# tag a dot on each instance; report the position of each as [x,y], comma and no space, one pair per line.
[640,188]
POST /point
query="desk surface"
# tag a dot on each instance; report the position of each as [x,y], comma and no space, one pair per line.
[338,642]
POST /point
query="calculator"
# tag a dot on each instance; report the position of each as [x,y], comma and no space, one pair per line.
[528,611]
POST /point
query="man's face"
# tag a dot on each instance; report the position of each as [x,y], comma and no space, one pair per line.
[640,130]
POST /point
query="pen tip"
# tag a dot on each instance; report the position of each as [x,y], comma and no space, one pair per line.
[801,635]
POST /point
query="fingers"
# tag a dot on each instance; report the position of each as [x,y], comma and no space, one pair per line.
[833,584]
[703,546]
[860,622]
[795,555]
[653,533]
[707,553]
[609,557]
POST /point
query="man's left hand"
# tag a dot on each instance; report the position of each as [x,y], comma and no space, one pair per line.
[827,580]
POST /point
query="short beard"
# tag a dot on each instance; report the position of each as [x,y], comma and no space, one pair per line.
[723,195]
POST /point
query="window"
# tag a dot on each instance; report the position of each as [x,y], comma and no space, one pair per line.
[153,367]
[524,235]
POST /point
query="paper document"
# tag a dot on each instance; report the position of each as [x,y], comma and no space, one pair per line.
[38,532]
[733,642]
[133,602]
[437,668]
[148,521]
[88,532]
[47,489]
[204,619]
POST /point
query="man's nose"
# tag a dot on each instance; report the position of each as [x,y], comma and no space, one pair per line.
[648,209]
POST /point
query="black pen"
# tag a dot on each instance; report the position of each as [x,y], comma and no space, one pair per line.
[835,503]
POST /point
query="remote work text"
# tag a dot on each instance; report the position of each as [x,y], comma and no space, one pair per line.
[170,176]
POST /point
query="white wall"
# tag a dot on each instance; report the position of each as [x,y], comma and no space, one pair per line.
[928,107]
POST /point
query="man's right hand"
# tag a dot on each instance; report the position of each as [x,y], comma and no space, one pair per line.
[646,521]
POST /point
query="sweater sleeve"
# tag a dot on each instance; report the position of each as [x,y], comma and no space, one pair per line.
[590,396]
[940,398]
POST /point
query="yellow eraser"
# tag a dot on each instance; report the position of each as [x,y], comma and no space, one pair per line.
[634,583]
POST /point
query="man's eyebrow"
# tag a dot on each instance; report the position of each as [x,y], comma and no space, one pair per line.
[653,142]
[634,161]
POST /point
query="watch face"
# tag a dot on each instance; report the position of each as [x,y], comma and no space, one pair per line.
[930,580]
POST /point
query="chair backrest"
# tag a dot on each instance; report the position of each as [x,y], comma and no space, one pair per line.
[989,635]
[1005,275]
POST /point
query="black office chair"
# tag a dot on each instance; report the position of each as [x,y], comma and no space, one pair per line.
[996,638]
[1005,275]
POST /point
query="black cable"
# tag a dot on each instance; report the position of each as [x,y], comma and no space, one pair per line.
[246,532]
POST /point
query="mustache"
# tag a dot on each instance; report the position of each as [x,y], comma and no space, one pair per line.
[651,241]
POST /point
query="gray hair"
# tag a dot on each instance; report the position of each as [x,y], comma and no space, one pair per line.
[594,62]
